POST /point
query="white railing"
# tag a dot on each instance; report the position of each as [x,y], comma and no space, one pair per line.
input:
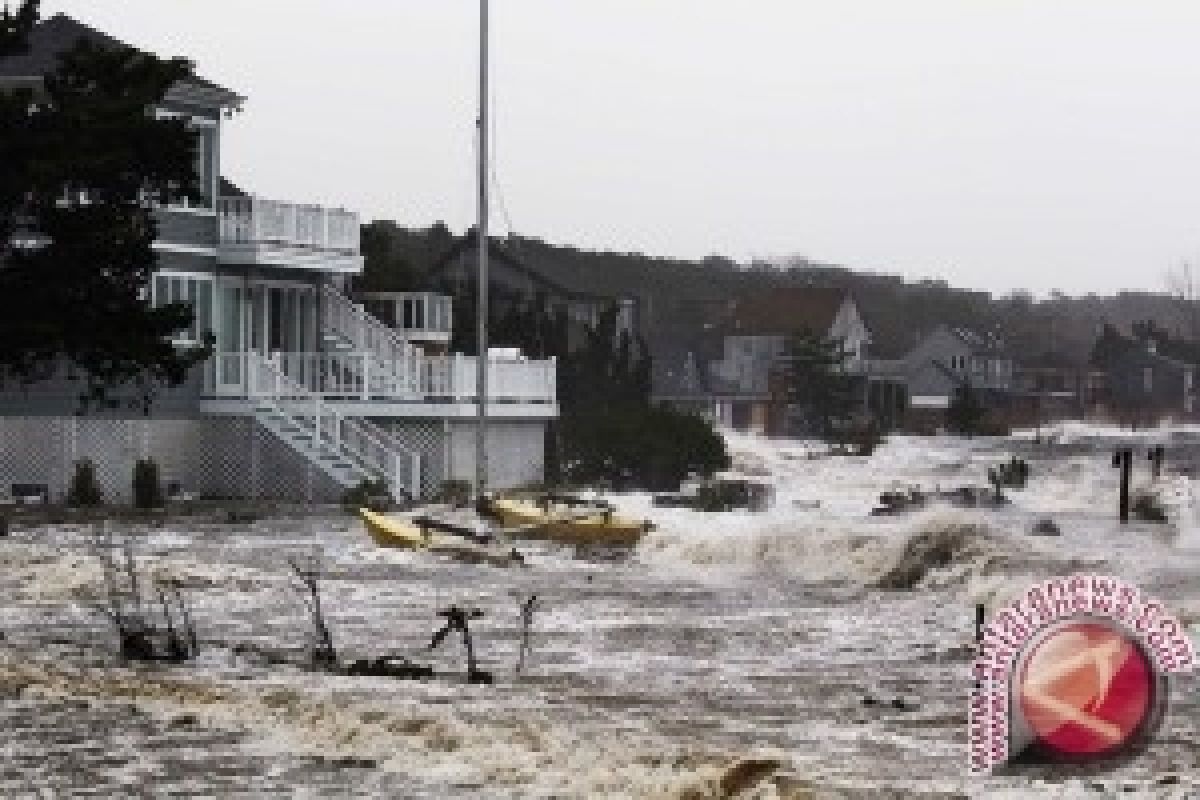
[361,442]
[251,219]
[357,376]
[415,314]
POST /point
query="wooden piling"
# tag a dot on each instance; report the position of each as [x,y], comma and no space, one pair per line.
[1123,460]
[1157,455]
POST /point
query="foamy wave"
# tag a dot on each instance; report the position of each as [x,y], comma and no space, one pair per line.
[511,755]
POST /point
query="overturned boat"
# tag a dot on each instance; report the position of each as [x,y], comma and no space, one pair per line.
[459,542]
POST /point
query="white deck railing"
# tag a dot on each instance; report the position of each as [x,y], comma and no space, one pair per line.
[251,219]
[416,315]
[364,377]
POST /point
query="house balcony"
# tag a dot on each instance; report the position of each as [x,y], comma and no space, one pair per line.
[259,232]
[362,384]
[419,317]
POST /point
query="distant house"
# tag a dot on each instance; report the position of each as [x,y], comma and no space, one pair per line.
[949,358]
[755,331]
[513,283]
[1144,383]
[1052,386]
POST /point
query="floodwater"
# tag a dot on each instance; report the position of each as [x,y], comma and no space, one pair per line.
[731,655]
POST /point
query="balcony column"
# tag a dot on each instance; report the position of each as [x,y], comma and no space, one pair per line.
[252,207]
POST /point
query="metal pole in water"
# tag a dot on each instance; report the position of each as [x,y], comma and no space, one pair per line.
[1123,460]
[1157,455]
[481,375]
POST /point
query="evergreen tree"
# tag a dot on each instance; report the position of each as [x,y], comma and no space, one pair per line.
[83,166]
[385,267]
[818,388]
[966,413]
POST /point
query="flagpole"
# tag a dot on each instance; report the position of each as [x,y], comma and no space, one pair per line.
[481,362]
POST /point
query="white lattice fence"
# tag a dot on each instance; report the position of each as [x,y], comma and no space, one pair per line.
[112,445]
[284,474]
[427,438]
[226,457]
[32,451]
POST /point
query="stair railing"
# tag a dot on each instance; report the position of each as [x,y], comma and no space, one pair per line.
[394,357]
[363,443]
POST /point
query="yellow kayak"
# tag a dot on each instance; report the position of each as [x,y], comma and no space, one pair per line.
[388,532]
[407,535]
[564,523]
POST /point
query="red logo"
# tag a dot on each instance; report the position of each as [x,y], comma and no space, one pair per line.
[1075,669]
[1087,690]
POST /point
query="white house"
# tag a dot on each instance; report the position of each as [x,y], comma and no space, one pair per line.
[308,392]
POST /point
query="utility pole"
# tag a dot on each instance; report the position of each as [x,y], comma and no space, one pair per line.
[481,362]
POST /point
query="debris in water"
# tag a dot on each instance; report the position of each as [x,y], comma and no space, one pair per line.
[324,655]
[458,619]
[1046,527]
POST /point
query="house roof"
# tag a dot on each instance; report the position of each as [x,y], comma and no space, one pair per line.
[55,35]
[229,189]
[467,244]
[784,311]
[980,342]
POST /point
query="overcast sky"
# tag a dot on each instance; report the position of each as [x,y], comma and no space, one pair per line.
[991,143]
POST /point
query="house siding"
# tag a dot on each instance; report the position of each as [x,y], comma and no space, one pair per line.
[59,396]
[187,228]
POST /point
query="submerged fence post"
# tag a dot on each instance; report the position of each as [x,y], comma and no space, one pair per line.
[1123,460]
[527,609]
[1157,456]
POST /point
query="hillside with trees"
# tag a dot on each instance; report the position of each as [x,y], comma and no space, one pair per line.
[679,298]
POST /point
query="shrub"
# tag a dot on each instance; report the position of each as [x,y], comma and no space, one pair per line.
[1147,507]
[147,485]
[360,496]
[863,438]
[455,492]
[84,490]
[652,447]
[1013,474]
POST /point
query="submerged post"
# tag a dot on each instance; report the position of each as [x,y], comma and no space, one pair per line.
[1123,460]
[1157,456]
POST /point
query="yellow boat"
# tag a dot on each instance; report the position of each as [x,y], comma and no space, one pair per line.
[406,534]
[388,532]
[572,524]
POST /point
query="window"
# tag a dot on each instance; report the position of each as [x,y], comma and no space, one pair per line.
[414,316]
[195,292]
[205,140]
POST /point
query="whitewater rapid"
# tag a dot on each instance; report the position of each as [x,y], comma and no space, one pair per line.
[729,655]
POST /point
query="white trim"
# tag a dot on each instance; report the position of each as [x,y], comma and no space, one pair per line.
[172,247]
[193,119]
[401,410]
[182,209]
[929,401]
[171,272]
